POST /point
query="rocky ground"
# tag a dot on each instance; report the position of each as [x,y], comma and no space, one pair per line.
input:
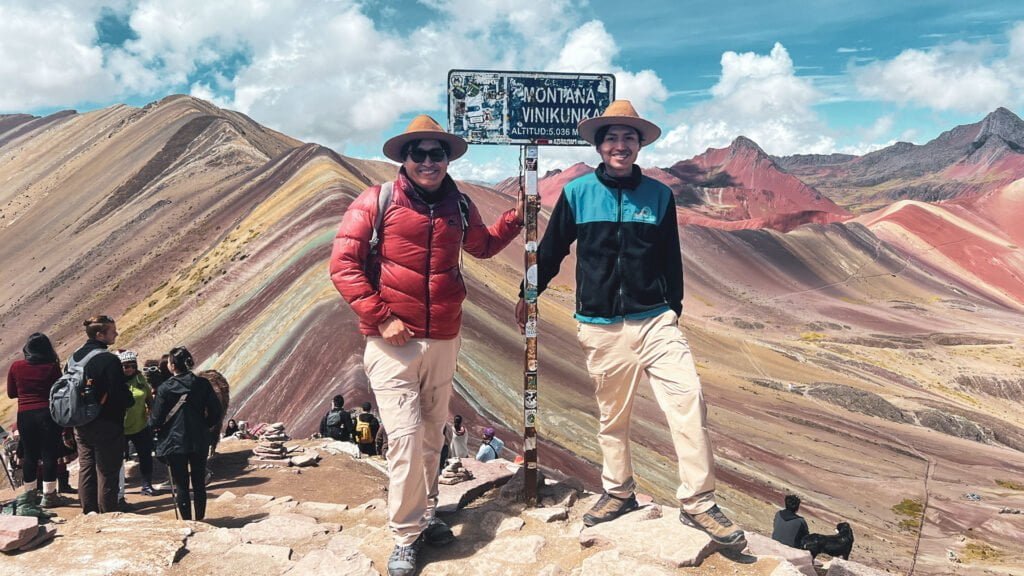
[269,520]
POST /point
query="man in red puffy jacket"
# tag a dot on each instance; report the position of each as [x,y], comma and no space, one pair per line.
[408,295]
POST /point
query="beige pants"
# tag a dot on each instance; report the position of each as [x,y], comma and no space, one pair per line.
[617,356]
[413,384]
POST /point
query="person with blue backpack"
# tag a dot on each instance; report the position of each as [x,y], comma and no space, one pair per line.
[101,441]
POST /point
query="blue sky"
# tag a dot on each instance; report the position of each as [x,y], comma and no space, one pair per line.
[825,76]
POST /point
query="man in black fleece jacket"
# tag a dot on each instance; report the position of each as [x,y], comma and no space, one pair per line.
[101,442]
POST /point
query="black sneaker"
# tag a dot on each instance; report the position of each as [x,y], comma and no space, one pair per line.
[608,508]
[147,490]
[437,533]
[715,524]
[124,506]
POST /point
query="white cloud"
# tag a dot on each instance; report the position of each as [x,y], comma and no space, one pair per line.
[65,69]
[959,76]
[757,96]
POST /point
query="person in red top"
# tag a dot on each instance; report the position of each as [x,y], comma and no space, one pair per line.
[408,297]
[29,381]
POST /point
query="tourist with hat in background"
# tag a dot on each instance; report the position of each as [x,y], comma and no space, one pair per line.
[396,261]
[490,447]
[629,297]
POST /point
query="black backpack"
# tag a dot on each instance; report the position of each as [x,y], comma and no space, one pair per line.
[70,406]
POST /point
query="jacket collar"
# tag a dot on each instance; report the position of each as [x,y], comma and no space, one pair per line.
[415,192]
[630,182]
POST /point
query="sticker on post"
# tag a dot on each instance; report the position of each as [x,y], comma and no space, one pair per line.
[531,275]
[531,246]
[531,329]
[531,418]
[530,400]
[531,183]
[529,443]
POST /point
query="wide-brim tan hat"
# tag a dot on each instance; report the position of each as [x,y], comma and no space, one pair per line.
[620,112]
[424,127]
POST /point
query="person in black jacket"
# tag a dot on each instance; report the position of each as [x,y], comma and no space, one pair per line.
[337,423]
[101,442]
[789,527]
[184,411]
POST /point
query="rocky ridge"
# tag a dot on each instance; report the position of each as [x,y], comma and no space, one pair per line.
[254,534]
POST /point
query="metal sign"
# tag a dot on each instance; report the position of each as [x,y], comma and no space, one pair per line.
[496,107]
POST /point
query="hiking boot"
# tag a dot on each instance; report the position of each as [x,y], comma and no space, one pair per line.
[53,500]
[608,508]
[64,484]
[438,533]
[714,523]
[147,490]
[402,561]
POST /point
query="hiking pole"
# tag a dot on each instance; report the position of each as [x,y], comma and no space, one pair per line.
[7,472]
[174,495]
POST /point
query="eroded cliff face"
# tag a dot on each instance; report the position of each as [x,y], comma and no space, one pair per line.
[194,225]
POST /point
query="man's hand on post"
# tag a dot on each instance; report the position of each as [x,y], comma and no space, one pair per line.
[521,315]
[393,331]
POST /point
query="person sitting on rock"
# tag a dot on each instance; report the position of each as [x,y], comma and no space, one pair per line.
[790,528]
[365,434]
[337,423]
[490,448]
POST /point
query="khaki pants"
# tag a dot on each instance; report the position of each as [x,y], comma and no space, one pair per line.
[617,356]
[413,384]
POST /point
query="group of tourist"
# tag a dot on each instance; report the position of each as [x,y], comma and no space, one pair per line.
[396,260]
[164,410]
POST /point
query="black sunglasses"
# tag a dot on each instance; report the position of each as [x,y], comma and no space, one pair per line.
[418,155]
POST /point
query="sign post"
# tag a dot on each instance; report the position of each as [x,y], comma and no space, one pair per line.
[526,109]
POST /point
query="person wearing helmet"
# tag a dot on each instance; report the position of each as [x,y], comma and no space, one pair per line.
[136,431]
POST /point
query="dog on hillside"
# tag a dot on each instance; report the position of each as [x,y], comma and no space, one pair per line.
[835,545]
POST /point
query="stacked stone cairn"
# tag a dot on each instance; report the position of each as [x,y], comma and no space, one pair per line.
[270,445]
[455,472]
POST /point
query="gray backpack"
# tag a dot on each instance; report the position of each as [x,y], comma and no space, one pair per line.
[69,405]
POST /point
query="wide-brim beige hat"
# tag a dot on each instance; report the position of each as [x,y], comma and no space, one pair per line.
[619,112]
[424,127]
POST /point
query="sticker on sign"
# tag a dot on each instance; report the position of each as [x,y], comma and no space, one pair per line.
[518,108]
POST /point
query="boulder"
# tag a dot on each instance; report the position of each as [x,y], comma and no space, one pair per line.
[285,530]
[45,533]
[840,567]
[759,545]
[485,477]
[516,549]
[16,531]
[305,460]
[664,540]
[612,563]
[320,510]
[549,514]
[352,563]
